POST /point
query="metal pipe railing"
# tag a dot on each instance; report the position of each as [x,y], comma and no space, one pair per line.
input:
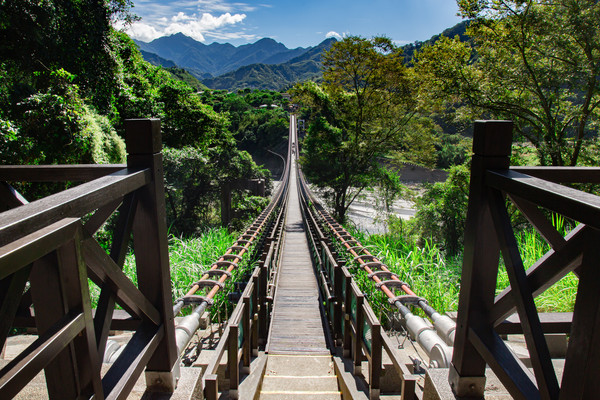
[435,341]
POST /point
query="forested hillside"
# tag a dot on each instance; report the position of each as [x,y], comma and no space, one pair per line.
[306,66]
[265,65]
[68,80]
[218,58]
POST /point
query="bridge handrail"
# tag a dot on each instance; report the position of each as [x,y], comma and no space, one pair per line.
[58,275]
[347,309]
[488,234]
[253,309]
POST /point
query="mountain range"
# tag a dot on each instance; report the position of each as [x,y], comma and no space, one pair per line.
[265,64]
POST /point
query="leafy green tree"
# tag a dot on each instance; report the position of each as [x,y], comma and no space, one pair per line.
[357,117]
[57,127]
[67,82]
[37,36]
[536,62]
[193,178]
[187,121]
[442,210]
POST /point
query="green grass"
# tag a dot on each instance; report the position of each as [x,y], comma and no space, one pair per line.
[560,297]
[426,270]
[436,277]
[188,258]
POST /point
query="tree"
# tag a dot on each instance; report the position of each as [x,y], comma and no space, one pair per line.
[536,62]
[442,210]
[357,117]
[38,36]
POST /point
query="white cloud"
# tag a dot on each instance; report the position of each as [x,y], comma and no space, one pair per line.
[190,25]
[141,31]
[333,34]
[223,6]
[181,17]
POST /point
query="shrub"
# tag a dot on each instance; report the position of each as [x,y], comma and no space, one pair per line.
[442,211]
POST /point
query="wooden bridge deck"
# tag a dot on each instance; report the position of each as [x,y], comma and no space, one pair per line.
[296,325]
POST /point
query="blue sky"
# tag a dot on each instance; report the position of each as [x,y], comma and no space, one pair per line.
[298,23]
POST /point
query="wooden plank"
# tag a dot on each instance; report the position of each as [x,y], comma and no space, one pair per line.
[73,202]
[375,358]
[510,370]
[491,144]
[108,272]
[211,387]
[11,291]
[27,249]
[539,222]
[551,323]
[580,377]
[100,216]
[562,174]
[534,336]
[232,358]
[49,303]
[121,321]
[151,249]
[213,365]
[106,301]
[545,272]
[125,371]
[408,380]
[76,297]
[572,203]
[57,173]
[20,371]
[296,324]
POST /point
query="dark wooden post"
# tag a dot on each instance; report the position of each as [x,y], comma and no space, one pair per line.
[143,139]
[375,365]
[337,311]
[357,354]
[232,361]
[580,377]
[347,341]
[263,327]
[59,290]
[226,204]
[247,343]
[491,147]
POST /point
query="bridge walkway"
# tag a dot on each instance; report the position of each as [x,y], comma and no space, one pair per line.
[299,363]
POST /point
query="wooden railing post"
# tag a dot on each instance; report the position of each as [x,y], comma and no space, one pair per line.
[375,364]
[226,204]
[491,147]
[59,291]
[143,140]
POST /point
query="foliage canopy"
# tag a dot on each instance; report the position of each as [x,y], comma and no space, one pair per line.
[356,117]
[536,62]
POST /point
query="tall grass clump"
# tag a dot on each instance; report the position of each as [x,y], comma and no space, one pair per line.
[427,270]
[560,297]
[434,275]
[188,257]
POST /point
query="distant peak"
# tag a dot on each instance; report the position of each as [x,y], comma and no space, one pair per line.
[329,40]
[266,40]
